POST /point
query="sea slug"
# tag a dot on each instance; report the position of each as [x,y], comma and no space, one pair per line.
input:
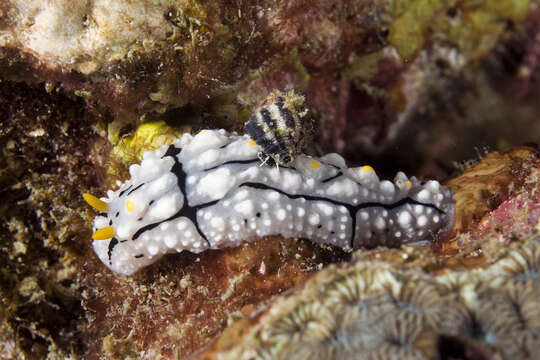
[209,191]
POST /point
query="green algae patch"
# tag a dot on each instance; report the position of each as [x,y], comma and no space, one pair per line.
[147,137]
[412,23]
[475,29]
[473,26]
[365,67]
[243,115]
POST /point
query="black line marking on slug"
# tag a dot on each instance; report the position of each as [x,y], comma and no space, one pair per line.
[332,177]
[150,203]
[112,244]
[249,161]
[172,151]
[123,191]
[332,165]
[139,256]
[129,193]
[352,209]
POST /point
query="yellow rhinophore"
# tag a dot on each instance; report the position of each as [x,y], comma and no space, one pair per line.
[409,183]
[367,168]
[252,143]
[94,202]
[130,205]
[104,233]
[314,164]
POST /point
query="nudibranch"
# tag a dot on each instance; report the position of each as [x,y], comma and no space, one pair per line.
[209,191]
[277,126]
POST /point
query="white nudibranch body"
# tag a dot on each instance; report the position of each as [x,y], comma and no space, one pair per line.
[208,191]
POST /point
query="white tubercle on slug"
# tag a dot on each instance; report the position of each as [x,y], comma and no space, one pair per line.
[209,191]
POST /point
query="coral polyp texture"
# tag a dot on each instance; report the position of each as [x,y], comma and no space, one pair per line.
[210,191]
[379,310]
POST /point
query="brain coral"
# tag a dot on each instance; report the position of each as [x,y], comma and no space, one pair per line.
[375,310]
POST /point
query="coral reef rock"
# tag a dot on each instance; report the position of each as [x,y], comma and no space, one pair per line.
[369,69]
